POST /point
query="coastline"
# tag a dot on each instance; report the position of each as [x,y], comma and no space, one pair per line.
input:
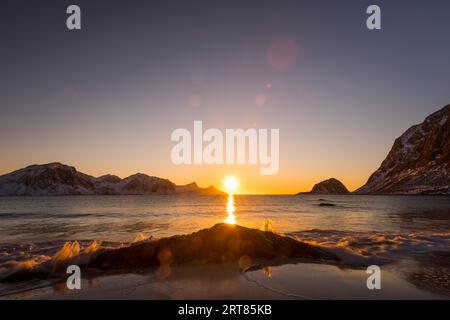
[303,281]
[414,263]
[280,268]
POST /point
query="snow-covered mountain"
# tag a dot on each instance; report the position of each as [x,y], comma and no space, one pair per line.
[418,162]
[136,184]
[59,179]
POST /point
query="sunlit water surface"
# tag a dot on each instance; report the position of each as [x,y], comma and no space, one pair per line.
[371,229]
[121,218]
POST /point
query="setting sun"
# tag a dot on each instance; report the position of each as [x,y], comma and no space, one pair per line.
[231,184]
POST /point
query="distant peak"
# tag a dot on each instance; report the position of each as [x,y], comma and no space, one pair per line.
[138,175]
[48,165]
[192,184]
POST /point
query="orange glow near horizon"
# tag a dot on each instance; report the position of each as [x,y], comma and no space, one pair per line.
[288,181]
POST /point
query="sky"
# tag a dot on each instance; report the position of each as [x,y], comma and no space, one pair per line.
[106,98]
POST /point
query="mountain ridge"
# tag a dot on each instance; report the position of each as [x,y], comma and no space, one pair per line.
[59,179]
[418,162]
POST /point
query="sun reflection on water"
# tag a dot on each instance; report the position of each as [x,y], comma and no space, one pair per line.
[231,218]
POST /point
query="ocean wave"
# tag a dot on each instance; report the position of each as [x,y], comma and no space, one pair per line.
[221,243]
[364,248]
[37,215]
[48,260]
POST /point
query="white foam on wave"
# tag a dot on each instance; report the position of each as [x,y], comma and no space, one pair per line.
[362,248]
[140,237]
[71,252]
[13,266]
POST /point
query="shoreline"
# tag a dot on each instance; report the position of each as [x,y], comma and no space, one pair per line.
[300,281]
[338,255]
[215,264]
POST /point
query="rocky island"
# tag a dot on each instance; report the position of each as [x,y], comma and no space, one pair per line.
[330,186]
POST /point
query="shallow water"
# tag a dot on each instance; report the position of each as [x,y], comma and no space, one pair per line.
[362,230]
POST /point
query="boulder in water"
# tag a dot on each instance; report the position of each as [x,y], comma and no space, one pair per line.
[221,243]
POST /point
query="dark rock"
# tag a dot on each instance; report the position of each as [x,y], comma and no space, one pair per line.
[221,243]
[324,204]
[330,186]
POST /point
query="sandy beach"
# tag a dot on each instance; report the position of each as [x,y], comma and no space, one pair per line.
[235,262]
[301,281]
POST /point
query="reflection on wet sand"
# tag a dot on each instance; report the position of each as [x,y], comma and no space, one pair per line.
[268,271]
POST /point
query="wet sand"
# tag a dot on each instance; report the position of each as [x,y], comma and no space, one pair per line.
[225,281]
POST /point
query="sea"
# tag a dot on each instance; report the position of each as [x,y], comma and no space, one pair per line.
[362,230]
